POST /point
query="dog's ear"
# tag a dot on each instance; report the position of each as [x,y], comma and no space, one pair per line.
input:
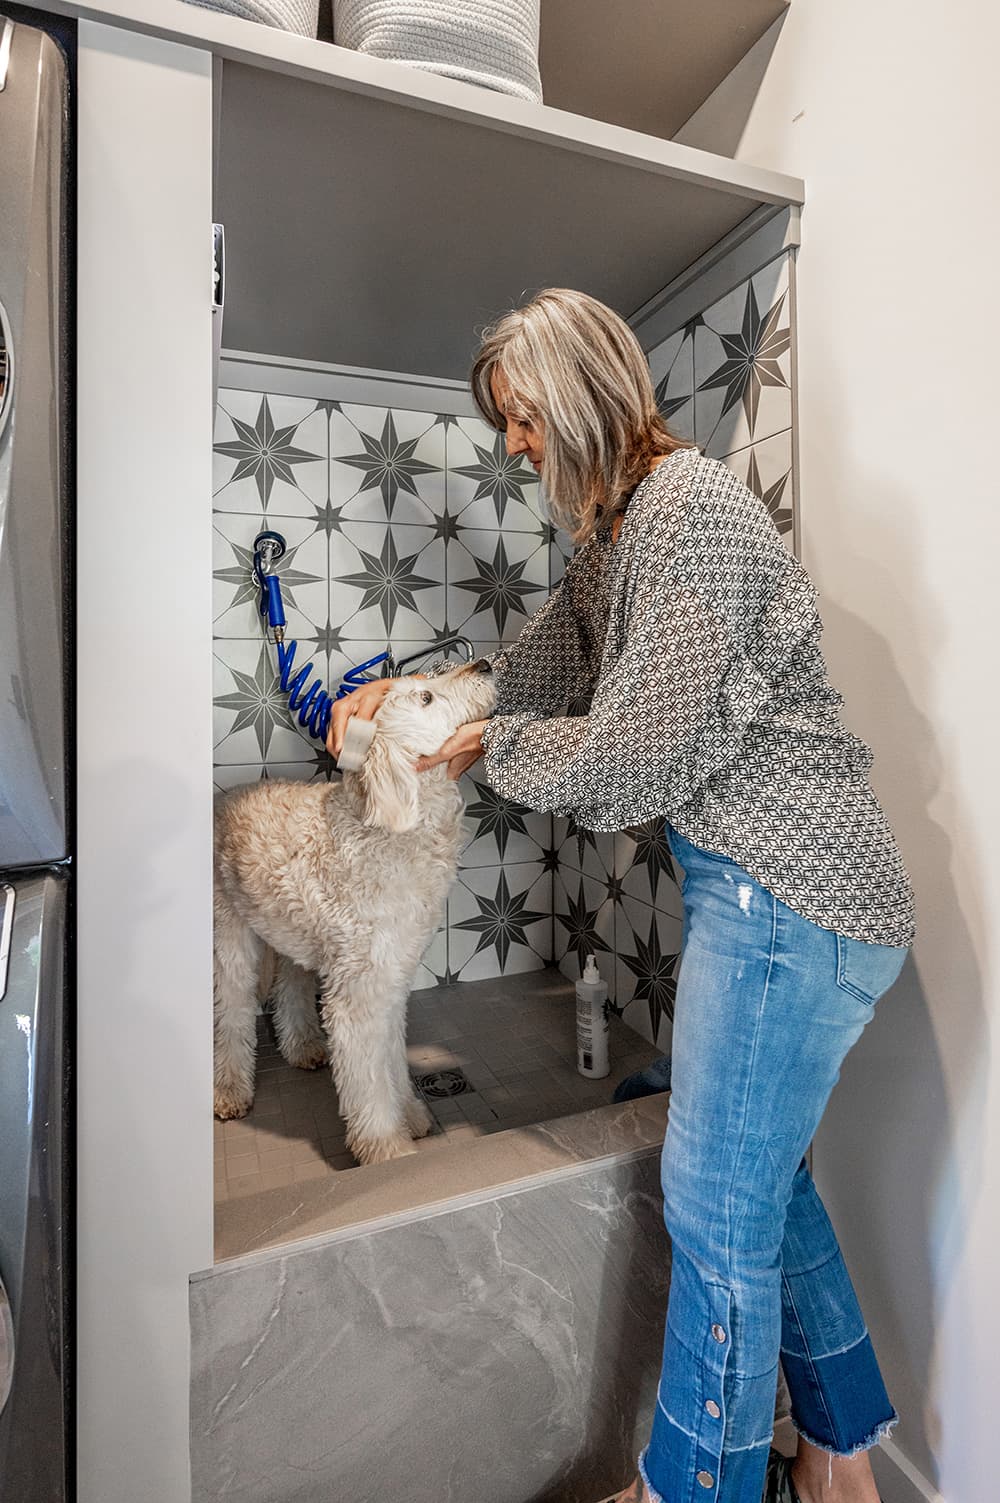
[391,787]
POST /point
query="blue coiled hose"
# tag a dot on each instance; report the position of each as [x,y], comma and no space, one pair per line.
[310,699]
[307,698]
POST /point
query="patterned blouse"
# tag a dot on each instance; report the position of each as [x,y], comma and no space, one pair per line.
[678,673]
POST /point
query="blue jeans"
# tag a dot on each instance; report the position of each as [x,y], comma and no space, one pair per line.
[768,1004]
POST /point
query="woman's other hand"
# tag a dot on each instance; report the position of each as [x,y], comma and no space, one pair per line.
[363,702]
[460,751]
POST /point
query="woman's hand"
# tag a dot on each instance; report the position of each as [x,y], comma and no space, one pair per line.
[363,702]
[460,751]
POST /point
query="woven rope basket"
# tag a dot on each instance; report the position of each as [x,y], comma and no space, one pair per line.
[493,43]
[300,16]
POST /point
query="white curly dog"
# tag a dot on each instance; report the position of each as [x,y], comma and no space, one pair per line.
[346,882]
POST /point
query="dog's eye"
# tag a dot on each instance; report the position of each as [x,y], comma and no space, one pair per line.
[427,698]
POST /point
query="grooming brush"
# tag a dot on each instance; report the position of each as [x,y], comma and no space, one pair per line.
[358,737]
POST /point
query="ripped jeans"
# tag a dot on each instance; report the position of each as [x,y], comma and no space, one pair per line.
[768,1004]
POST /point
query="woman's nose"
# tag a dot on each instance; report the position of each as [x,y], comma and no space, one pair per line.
[516,443]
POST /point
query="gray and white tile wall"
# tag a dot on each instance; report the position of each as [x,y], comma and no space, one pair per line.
[405,526]
[402,528]
[725,380]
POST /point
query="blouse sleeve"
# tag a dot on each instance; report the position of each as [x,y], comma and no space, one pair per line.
[547,668]
[669,709]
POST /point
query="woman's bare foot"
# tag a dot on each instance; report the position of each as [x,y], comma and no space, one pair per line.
[636,1493]
[820,1477]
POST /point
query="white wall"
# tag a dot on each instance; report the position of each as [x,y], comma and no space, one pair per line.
[144,753]
[890,113]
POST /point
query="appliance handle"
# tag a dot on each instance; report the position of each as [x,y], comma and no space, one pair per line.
[6,1348]
[8,897]
[6,39]
[6,369]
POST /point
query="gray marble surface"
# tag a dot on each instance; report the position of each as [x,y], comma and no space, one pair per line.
[504,1350]
[411,1184]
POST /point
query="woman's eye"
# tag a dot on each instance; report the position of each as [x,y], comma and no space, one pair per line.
[427,698]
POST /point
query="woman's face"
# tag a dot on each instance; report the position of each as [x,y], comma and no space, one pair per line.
[524,436]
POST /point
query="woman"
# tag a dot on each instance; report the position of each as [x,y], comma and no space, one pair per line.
[693,638]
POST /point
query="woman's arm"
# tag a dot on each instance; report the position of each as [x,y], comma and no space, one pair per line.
[645,720]
[711,615]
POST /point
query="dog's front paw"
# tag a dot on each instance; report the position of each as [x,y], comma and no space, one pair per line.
[231,1103]
[380,1150]
[418,1117]
[310,1055]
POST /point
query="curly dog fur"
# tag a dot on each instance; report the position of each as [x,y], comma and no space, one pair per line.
[346,882]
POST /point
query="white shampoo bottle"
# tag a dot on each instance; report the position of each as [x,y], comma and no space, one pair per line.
[592,1023]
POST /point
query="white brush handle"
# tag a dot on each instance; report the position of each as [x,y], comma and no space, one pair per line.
[358,738]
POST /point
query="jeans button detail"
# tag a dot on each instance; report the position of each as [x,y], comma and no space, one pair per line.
[706,1479]
[718,1333]
[713,1409]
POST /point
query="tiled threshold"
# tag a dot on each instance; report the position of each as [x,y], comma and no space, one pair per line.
[419,1184]
[521,1110]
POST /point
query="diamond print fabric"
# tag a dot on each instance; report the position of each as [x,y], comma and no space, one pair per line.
[692,646]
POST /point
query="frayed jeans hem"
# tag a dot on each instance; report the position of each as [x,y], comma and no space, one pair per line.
[878,1434]
[653,1494]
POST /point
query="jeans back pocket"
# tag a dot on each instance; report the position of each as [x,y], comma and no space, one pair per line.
[867,971]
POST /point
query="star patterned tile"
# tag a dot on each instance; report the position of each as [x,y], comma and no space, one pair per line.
[742,364]
[251,719]
[487,487]
[500,921]
[304,573]
[495,582]
[767,469]
[387,464]
[647,950]
[387,581]
[583,850]
[500,831]
[671,365]
[645,868]
[584,923]
[270,454]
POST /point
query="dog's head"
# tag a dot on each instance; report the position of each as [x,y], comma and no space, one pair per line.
[416,717]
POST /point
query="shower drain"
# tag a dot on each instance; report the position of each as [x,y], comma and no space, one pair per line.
[440,1083]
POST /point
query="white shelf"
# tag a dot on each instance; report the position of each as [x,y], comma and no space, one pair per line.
[376,214]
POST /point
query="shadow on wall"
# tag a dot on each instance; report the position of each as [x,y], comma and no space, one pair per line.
[720,126]
[899,1153]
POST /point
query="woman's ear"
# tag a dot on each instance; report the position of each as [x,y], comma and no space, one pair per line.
[390,784]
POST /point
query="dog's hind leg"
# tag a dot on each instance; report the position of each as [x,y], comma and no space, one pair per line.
[296,1022]
[237,968]
[365,1019]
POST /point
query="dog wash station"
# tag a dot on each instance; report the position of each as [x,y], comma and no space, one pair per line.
[491,1305]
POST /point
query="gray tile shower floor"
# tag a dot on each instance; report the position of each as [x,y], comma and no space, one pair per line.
[488,1055]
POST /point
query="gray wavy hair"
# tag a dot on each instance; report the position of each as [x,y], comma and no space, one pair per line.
[574,368]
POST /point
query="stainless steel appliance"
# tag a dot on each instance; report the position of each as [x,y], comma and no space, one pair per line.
[35,881]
